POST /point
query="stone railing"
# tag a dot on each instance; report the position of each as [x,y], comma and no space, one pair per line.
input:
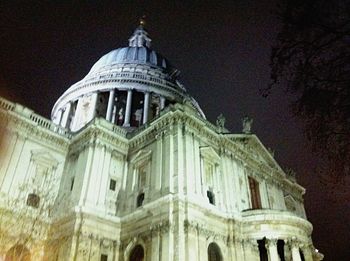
[36,119]
[49,125]
[6,105]
[109,126]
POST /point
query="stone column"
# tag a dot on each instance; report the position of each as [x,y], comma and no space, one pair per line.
[271,245]
[128,109]
[307,251]
[110,105]
[145,107]
[295,250]
[58,117]
[66,115]
[162,102]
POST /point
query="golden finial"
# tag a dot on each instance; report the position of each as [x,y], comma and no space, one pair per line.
[142,21]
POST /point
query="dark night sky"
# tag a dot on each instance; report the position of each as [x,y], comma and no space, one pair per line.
[221,49]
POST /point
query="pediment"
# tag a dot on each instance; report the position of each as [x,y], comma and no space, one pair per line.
[253,146]
[44,157]
[141,156]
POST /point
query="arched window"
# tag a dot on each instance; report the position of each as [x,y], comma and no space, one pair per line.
[137,254]
[140,199]
[214,253]
[18,253]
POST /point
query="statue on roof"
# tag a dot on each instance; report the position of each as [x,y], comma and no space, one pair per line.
[220,121]
[247,125]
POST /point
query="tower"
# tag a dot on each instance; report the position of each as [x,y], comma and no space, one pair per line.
[130,169]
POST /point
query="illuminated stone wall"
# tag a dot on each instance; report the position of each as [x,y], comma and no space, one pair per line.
[173,187]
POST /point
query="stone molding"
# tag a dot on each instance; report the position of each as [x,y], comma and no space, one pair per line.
[29,129]
[191,226]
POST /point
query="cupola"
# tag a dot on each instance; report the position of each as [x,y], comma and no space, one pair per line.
[128,86]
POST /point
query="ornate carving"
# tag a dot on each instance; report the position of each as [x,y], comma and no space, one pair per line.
[271,242]
[294,242]
[196,227]
[162,227]
[251,243]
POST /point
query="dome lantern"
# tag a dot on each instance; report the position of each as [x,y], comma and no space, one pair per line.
[140,36]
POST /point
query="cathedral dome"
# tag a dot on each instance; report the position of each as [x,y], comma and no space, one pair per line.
[128,86]
[131,55]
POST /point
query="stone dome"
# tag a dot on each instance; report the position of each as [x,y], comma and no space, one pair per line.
[131,55]
[128,86]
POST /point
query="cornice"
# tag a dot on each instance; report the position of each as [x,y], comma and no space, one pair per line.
[29,129]
[202,230]
[223,143]
[95,134]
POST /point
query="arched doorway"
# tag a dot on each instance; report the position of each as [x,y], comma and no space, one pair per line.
[214,253]
[137,254]
[18,253]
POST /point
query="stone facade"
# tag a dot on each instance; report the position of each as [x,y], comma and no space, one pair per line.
[172,187]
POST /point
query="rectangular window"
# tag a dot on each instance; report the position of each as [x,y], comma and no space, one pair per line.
[112,184]
[211,197]
[104,257]
[254,193]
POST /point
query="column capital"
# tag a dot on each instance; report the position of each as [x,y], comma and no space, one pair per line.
[294,242]
[271,242]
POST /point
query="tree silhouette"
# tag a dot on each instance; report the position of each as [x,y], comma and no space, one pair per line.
[311,59]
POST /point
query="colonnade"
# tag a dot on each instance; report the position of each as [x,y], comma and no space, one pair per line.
[65,115]
[296,250]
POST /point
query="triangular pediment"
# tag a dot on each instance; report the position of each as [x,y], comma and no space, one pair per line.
[141,156]
[253,146]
